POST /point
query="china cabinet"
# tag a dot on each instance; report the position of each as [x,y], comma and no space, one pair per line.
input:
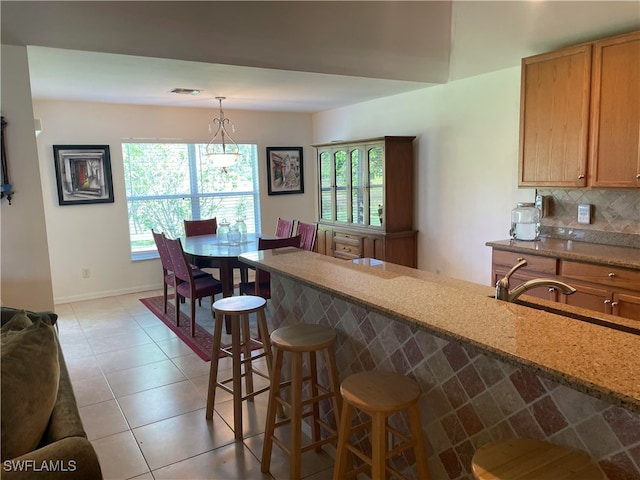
[366,199]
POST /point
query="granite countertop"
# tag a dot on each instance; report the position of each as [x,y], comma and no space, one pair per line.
[594,359]
[626,257]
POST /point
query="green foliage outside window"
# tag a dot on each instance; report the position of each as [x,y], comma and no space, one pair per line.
[169,182]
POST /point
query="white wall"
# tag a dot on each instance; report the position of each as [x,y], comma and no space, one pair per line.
[466,163]
[466,174]
[24,259]
[97,236]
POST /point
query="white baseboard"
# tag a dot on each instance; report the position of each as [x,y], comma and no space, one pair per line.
[108,293]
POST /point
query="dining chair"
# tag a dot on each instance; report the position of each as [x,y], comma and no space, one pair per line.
[193,228]
[307,232]
[284,228]
[262,284]
[168,278]
[186,285]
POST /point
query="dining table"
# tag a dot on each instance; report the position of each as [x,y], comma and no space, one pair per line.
[210,251]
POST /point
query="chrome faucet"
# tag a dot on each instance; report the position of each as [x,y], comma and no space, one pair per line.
[502,286]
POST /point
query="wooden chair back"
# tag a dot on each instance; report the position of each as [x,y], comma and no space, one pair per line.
[181,268]
[165,258]
[284,228]
[308,233]
[194,228]
[263,278]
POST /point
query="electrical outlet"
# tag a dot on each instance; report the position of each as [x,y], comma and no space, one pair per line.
[86,273]
[584,213]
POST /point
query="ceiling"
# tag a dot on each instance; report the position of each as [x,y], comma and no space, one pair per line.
[294,56]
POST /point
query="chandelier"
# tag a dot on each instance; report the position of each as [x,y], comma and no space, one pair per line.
[230,152]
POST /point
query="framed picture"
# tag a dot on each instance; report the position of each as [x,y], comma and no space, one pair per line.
[284,170]
[83,174]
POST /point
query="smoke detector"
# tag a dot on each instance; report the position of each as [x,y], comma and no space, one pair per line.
[185,91]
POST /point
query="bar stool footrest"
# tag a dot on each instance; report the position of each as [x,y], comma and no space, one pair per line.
[254,393]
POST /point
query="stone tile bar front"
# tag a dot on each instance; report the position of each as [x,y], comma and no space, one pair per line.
[487,371]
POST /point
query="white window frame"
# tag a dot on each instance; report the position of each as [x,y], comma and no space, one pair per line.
[253,222]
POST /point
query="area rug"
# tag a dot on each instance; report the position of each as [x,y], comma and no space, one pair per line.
[202,342]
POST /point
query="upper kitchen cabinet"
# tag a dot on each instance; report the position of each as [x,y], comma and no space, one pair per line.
[614,154]
[554,118]
[366,199]
[580,116]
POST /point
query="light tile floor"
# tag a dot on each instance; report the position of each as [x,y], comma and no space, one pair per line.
[142,392]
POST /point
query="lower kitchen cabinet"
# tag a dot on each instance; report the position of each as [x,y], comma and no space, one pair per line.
[607,289]
[546,293]
[602,288]
[626,305]
[604,300]
[592,298]
[537,266]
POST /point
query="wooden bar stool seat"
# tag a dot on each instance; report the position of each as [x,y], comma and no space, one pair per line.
[236,310]
[298,340]
[525,459]
[379,395]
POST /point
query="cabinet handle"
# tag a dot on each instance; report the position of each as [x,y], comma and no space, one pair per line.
[638,176]
[552,289]
[607,302]
[614,304]
[611,274]
[519,259]
[581,177]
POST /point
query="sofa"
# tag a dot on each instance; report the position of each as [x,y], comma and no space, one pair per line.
[42,434]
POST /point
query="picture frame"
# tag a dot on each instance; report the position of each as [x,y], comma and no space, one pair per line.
[285,174]
[83,174]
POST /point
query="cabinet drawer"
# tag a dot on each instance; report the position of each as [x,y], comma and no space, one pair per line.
[535,263]
[601,274]
[347,246]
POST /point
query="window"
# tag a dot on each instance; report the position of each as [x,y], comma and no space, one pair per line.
[169,182]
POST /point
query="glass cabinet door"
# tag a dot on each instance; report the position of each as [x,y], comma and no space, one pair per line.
[358,182]
[375,166]
[341,163]
[327,186]
[351,180]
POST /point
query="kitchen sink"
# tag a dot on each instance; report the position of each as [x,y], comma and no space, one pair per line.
[582,317]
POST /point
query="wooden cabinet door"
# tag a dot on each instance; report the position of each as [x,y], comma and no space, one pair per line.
[614,159]
[517,278]
[554,118]
[593,298]
[626,305]
[327,184]
[324,240]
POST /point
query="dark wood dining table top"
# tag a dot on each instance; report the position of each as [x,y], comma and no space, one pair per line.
[207,251]
[210,246]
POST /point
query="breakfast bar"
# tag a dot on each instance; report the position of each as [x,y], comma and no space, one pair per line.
[488,369]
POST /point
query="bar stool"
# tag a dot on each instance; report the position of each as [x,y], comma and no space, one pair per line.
[237,310]
[524,458]
[298,340]
[379,395]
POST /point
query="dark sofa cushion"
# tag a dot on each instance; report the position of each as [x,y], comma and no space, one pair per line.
[30,375]
[7,313]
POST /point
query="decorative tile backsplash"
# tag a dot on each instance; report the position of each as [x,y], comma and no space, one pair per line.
[468,398]
[615,215]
